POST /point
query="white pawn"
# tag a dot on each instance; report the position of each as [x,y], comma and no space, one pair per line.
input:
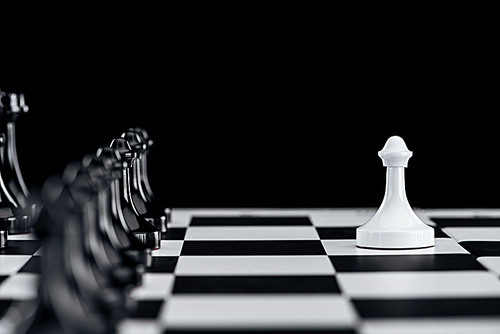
[395,225]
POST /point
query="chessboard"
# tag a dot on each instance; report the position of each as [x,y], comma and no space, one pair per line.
[299,271]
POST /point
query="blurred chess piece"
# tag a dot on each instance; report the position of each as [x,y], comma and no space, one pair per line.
[13,190]
[90,262]
[96,245]
[4,228]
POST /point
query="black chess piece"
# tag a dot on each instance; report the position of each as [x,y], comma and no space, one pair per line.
[14,189]
[143,200]
[144,185]
[4,228]
[81,297]
[113,222]
[124,210]
[86,188]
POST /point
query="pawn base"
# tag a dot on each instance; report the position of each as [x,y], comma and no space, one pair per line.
[390,239]
[20,225]
[3,238]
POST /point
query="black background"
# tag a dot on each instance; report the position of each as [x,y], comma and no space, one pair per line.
[268,113]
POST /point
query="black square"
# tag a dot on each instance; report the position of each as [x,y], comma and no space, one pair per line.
[331,233]
[438,233]
[255,284]
[482,248]
[4,306]
[431,262]
[146,309]
[250,221]
[34,265]
[163,264]
[2,278]
[264,247]
[427,307]
[21,247]
[174,233]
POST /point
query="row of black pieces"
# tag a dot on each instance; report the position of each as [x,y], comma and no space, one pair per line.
[17,209]
[98,225]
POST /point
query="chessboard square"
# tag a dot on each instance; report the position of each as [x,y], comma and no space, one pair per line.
[482,248]
[492,263]
[419,285]
[174,233]
[154,286]
[142,326]
[146,309]
[439,233]
[11,264]
[474,233]
[348,247]
[162,264]
[432,262]
[252,233]
[246,247]
[21,247]
[22,286]
[168,248]
[342,217]
[254,265]
[467,222]
[34,265]
[4,306]
[255,284]
[250,221]
[412,308]
[336,232]
[267,311]
[476,325]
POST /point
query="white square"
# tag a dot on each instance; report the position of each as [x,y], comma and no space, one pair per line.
[22,286]
[154,286]
[342,217]
[395,285]
[476,325]
[134,326]
[168,248]
[258,311]
[252,233]
[254,265]
[473,233]
[492,263]
[11,264]
[348,247]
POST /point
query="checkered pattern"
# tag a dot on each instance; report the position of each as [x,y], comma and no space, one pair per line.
[19,271]
[299,271]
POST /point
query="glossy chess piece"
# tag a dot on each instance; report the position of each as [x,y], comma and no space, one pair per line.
[395,225]
[13,188]
[127,212]
[141,195]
